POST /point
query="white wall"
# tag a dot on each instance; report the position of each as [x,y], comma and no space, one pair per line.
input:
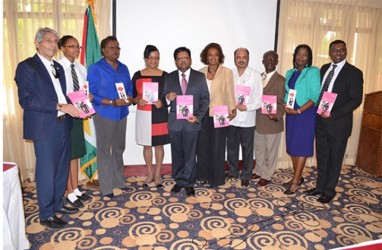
[169,24]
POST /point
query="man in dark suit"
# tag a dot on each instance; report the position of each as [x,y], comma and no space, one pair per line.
[41,87]
[334,129]
[184,132]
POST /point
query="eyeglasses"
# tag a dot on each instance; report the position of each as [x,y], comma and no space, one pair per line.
[183,58]
[73,46]
[342,50]
[55,72]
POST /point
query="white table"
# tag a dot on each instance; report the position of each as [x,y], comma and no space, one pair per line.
[14,236]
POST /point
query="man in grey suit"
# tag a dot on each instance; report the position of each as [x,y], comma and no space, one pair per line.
[333,130]
[269,127]
[184,132]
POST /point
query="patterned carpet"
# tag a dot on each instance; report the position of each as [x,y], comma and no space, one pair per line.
[227,217]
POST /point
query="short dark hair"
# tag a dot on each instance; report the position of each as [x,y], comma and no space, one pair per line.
[149,48]
[336,42]
[107,40]
[271,52]
[182,49]
[63,40]
[204,53]
[310,55]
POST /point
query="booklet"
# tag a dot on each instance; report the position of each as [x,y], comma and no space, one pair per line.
[242,94]
[121,91]
[150,92]
[269,105]
[326,103]
[85,87]
[291,98]
[220,114]
[184,106]
[81,101]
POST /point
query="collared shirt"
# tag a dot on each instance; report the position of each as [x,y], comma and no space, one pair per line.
[187,73]
[56,82]
[80,70]
[250,78]
[102,78]
[336,72]
[269,75]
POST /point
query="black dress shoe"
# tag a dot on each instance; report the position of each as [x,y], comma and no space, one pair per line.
[325,198]
[77,203]
[110,196]
[68,210]
[244,183]
[190,191]
[84,197]
[314,192]
[176,188]
[127,189]
[53,222]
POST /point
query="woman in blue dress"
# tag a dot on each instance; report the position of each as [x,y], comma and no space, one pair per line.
[301,119]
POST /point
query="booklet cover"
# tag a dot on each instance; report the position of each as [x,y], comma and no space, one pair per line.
[150,92]
[291,98]
[121,91]
[326,103]
[269,105]
[220,114]
[242,94]
[81,101]
[184,106]
[85,87]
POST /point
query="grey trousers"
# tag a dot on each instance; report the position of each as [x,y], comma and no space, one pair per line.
[239,136]
[111,136]
[266,151]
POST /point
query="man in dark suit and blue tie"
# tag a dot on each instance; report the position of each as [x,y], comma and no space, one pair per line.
[184,132]
[41,87]
[333,130]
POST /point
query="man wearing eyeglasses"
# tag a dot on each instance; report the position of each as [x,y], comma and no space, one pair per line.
[334,129]
[184,132]
[47,122]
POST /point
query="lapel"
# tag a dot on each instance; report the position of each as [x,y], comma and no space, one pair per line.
[302,75]
[339,82]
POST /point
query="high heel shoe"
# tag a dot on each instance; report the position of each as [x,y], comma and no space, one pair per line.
[286,184]
[158,182]
[290,190]
[147,182]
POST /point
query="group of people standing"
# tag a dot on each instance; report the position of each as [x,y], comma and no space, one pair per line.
[198,147]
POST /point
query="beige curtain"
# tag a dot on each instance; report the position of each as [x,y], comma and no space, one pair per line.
[317,23]
[21,20]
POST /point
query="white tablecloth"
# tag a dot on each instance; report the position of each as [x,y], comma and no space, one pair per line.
[14,236]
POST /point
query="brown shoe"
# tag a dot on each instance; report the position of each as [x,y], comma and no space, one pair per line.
[244,183]
[262,182]
[255,176]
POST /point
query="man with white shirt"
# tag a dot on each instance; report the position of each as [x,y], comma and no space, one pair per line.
[269,127]
[242,127]
[334,129]
[47,122]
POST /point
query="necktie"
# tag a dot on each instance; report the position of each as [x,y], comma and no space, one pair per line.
[327,82]
[184,84]
[76,86]
[264,78]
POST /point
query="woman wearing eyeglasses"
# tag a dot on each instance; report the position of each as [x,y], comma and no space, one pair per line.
[151,117]
[71,49]
[110,84]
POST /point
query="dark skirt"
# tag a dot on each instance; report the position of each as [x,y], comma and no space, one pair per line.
[78,139]
[299,131]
